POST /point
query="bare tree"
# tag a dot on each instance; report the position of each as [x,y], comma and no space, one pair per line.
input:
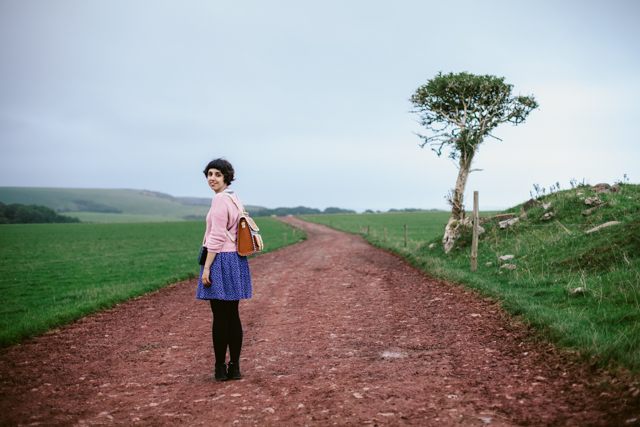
[461,110]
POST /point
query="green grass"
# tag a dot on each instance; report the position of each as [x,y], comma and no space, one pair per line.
[421,226]
[103,218]
[602,323]
[51,274]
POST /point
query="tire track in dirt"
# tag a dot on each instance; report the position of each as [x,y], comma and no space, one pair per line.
[338,333]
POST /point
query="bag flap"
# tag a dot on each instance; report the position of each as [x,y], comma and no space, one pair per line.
[251,222]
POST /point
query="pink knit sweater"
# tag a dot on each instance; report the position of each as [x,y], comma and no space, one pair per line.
[222,216]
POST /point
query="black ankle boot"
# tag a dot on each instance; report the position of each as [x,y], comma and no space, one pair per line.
[221,372]
[234,371]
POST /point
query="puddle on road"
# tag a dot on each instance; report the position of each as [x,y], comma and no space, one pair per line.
[393,354]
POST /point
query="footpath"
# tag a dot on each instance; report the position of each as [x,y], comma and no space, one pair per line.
[337,333]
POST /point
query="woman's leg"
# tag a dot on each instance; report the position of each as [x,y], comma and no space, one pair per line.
[235,332]
[220,329]
[226,330]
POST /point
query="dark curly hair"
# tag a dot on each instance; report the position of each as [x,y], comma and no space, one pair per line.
[224,167]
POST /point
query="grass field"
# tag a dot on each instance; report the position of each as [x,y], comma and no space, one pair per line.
[104,218]
[421,226]
[51,274]
[552,259]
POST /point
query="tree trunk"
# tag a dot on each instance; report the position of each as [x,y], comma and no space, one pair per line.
[451,232]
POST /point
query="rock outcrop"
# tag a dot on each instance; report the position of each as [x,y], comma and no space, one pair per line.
[548,216]
[508,222]
[601,188]
[498,218]
[592,201]
[528,205]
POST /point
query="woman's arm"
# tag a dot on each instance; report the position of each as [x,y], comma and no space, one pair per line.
[206,280]
[219,217]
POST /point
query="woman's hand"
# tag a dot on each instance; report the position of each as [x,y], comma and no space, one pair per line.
[205,277]
[206,272]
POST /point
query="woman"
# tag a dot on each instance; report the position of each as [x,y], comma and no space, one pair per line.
[224,278]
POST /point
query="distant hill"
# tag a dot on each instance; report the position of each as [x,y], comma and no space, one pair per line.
[113,205]
[118,205]
[412,210]
[301,210]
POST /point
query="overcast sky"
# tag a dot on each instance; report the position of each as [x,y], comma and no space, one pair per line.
[309,99]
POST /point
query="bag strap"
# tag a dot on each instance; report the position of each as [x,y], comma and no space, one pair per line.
[235,203]
[239,210]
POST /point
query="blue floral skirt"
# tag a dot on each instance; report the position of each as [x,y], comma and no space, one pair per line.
[230,278]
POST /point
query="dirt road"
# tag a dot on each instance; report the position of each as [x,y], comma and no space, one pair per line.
[338,333]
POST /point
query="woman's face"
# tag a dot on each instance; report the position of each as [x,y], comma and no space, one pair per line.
[216,180]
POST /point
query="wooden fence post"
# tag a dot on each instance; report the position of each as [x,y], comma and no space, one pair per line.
[476,222]
[294,233]
[405,234]
[384,230]
[368,230]
[374,232]
[285,238]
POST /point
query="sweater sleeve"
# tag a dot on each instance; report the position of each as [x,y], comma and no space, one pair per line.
[219,215]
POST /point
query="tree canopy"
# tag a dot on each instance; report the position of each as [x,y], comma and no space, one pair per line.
[462,109]
[31,214]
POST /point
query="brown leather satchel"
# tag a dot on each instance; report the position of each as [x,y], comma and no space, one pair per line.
[249,241]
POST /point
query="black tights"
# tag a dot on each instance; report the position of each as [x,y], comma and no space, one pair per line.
[226,330]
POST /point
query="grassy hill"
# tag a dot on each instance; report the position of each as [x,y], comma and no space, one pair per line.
[580,290]
[107,205]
